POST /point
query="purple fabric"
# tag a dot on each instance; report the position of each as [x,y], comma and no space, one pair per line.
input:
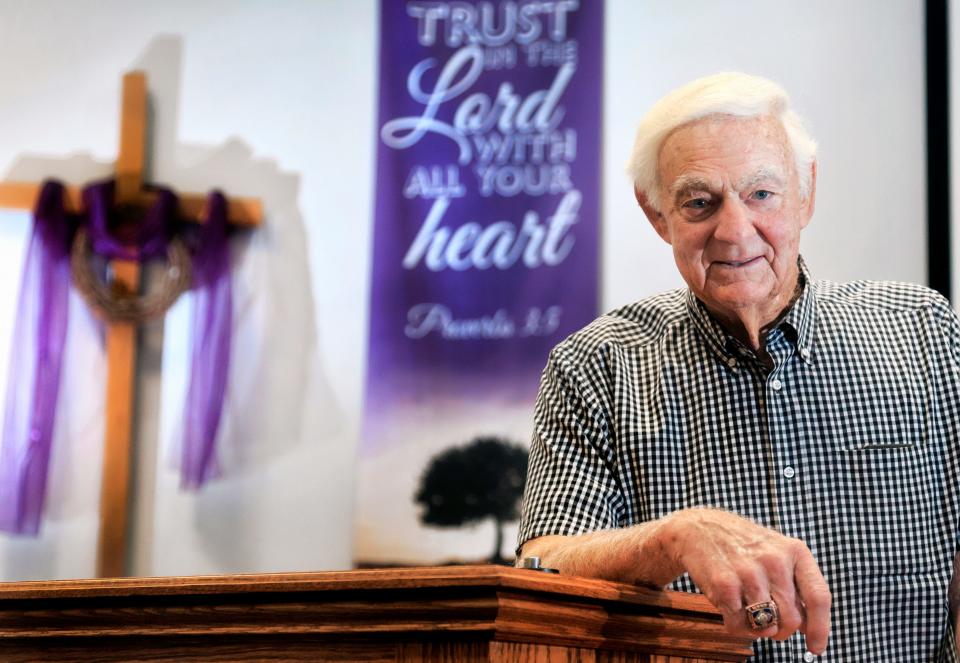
[138,241]
[34,375]
[210,352]
[212,317]
[40,332]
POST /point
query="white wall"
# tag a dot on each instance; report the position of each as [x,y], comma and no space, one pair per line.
[276,100]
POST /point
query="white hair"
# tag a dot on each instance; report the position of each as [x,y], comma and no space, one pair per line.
[728,93]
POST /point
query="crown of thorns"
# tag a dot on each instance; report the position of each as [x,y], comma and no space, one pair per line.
[114,302]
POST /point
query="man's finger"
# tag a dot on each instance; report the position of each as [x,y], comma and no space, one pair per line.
[816,598]
[756,590]
[780,572]
[754,584]
[791,614]
[724,589]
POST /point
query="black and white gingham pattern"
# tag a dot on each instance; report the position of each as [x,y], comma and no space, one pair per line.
[850,443]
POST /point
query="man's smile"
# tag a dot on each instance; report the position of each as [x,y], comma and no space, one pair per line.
[737,263]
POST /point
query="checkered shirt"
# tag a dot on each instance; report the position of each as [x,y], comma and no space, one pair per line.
[849,443]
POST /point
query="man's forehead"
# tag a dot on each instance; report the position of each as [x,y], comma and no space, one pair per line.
[716,148]
[763,174]
[767,126]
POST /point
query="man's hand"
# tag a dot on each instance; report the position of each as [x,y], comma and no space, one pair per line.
[737,563]
[734,561]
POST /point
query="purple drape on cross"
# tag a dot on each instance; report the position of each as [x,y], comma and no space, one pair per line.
[34,378]
[210,346]
[40,331]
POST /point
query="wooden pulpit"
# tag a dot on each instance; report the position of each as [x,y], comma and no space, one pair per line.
[454,614]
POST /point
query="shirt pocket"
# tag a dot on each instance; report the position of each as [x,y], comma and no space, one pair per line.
[885,508]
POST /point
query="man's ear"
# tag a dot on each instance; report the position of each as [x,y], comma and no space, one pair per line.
[810,201]
[656,219]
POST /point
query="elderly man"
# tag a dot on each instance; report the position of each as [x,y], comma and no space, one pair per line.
[789,447]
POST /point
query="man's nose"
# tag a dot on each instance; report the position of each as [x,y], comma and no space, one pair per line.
[734,222]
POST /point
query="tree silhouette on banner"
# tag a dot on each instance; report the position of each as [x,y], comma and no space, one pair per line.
[482,479]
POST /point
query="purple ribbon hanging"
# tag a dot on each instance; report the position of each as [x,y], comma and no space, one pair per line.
[34,377]
[210,345]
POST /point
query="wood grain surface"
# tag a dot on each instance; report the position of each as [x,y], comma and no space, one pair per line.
[465,613]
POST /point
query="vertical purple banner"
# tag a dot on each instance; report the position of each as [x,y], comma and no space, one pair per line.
[485,246]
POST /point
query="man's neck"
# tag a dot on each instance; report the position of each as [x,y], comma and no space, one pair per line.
[751,326]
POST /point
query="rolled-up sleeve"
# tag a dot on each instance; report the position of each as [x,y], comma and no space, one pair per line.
[571,478]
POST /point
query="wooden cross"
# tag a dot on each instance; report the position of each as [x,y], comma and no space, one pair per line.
[122,336]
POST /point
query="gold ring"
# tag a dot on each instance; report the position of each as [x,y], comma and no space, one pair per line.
[761,616]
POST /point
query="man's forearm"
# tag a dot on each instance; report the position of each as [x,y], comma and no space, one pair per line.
[634,554]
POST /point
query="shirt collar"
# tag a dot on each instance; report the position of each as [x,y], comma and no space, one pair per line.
[796,324]
[801,316]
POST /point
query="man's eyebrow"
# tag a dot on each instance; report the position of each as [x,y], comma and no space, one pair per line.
[687,183]
[764,174]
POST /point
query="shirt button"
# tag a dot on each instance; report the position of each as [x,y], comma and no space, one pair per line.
[805,353]
[732,362]
[777,385]
[808,657]
[789,472]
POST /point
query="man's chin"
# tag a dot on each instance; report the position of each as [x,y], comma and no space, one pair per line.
[739,298]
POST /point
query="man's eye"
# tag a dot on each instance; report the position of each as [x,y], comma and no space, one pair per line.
[762,194]
[696,209]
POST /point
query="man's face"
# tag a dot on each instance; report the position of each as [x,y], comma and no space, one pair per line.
[731,209]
